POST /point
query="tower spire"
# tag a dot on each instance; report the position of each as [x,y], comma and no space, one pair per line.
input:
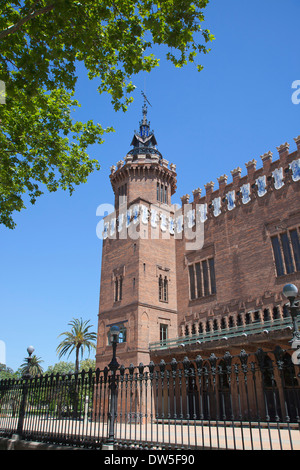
[144,141]
[145,112]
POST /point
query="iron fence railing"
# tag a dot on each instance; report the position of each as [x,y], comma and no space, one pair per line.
[229,402]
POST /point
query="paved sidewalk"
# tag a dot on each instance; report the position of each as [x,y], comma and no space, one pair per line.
[192,435]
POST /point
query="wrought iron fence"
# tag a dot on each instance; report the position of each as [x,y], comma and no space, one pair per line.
[229,402]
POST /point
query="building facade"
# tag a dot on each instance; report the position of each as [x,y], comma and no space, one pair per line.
[203,277]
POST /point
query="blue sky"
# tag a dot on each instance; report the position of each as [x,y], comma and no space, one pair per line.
[206,123]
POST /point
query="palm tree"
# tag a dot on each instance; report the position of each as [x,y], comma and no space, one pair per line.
[35,367]
[78,339]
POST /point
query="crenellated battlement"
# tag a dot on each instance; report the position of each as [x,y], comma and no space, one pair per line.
[141,159]
[242,190]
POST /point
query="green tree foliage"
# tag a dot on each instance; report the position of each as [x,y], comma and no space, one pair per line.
[7,373]
[61,368]
[78,339]
[41,41]
[87,364]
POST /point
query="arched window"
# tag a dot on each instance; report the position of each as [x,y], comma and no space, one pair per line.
[266,314]
[239,320]
[276,314]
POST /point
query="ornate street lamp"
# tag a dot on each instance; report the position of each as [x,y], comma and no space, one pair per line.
[290,291]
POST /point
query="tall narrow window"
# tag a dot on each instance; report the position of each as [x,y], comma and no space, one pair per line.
[163,332]
[165,195]
[266,314]
[192,282]
[160,288]
[296,247]
[205,277]
[165,289]
[277,256]
[287,253]
[158,192]
[276,313]
[212,275]
[239,320]
[198,280]
[118,288]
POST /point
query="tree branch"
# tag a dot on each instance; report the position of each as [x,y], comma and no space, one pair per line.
[13,28]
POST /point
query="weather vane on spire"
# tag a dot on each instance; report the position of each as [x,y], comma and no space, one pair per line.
[145,99]
[145,109]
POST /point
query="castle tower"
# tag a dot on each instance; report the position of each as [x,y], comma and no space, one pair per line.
[138,274]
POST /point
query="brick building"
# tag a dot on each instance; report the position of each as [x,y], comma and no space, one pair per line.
[204,277]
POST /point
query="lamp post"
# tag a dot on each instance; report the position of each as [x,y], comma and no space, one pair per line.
[26,377]
[26,374]
[290,291]
[113,367]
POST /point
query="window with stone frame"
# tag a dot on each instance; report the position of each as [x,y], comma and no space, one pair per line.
[163,332]
[202,280]
[163,276]
[286,251]
[163,288]
[162,193]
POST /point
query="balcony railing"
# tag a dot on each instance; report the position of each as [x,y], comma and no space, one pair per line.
[226,334]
